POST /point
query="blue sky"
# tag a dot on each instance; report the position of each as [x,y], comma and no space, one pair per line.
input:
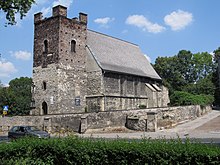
[159,27]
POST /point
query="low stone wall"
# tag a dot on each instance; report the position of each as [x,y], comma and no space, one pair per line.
[169,117]
[143,120]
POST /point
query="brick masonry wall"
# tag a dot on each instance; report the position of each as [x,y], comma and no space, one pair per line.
[156,118]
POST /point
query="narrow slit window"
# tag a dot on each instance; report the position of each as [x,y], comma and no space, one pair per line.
[44,85]
[45,46]
[73,46]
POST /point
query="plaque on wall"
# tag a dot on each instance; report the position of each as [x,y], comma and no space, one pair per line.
[51,100]
[77,101]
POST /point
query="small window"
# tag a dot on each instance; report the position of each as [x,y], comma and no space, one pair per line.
[135,88]
[45,46]
[44,108]
[73,46]
[44,85]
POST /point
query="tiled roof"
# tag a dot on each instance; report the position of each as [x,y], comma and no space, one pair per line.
[116,55]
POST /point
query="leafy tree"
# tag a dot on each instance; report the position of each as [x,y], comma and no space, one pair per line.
[217,53]
[203,86]
[5,98]
[203,65]
[184,68]
[183,65]
[1,85]
[187,72]
[216,78]
[185,98]
[20,92]
[17,96]
[12,7]
[166,68]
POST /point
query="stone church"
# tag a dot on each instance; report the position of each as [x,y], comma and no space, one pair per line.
[78,70]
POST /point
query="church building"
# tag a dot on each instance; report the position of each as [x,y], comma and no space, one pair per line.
[77,70]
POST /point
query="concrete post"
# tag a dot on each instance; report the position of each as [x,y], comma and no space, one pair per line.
[83,124]
[151,122]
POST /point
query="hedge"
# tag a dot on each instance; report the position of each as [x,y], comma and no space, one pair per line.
[74,150]
[185,98]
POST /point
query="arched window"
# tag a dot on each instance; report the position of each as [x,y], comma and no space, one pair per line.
[44,85]
[45,46]
[44,108]
[73,46]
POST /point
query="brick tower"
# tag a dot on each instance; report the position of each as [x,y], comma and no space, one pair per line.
[59,64]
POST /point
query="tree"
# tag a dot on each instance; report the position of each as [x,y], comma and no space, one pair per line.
[166,68]
[203,65]
[185,98]
[17,96]
[12,7]
[20,95]
[217,53]
[203,86]
[184,68]
[187,72]
[183,65]
[216,78]
[1,85]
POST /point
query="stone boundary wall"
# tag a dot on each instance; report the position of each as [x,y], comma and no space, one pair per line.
[143,119]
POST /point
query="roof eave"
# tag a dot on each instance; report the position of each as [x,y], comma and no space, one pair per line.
[152,78]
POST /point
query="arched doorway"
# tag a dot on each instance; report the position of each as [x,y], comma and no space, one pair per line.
[45,108]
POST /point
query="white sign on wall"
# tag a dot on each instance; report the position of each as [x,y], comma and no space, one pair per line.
[51,100]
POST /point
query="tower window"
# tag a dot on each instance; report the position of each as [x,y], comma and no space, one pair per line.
[44,85]
[73,46]
[45,108]
[45,46]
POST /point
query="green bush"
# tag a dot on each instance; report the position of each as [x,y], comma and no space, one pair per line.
[185,98]
[74,150]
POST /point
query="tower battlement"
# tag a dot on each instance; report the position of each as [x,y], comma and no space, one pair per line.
[61,11]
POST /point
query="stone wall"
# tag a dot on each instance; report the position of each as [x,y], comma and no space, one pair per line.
[145,120]
[128,92]
[169,117]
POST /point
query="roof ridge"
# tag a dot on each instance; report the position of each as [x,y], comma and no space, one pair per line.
[113,37]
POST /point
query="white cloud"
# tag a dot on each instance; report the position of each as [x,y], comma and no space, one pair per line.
[6,68]
[178,20]
[103,22]
[65,3]
[143,23]
[147,57]
[22,55]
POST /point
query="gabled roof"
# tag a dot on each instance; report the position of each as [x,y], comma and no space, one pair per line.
[116,55]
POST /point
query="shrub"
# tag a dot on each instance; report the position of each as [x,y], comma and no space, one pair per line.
[74,150]
[185,98]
